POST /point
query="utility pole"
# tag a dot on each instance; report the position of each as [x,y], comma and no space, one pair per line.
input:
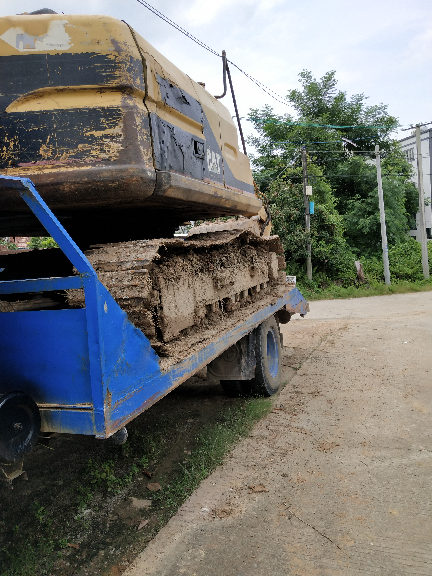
[306,202]
[423,239]
[382,219]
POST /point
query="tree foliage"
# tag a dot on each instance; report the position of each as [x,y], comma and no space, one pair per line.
[319,102]
[342,173]
[331,255]
[42,242]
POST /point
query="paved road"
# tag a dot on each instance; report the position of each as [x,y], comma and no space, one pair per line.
[336,480]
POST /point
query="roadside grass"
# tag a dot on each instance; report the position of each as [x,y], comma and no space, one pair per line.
[41,543]
[36,545]
[211,447]
[36,555]
[331,292]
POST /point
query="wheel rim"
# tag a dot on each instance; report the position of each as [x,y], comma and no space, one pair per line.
[272,353]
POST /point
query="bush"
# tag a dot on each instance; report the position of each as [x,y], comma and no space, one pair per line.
[404,261]
[6,242]
[39,243]
[332,258]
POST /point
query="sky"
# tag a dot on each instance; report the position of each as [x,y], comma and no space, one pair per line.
[382,48]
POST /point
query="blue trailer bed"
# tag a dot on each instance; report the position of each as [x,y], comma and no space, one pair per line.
[90,370]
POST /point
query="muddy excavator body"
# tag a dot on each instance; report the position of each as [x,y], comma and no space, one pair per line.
[119,142]
[108,147]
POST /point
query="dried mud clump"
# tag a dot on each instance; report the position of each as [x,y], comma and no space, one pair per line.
[180,293]
[169,287]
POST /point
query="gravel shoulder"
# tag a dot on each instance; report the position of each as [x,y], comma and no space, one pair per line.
[335,481]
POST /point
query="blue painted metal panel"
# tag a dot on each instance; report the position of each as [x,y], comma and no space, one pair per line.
[96,352]
[129,363]
[40,285]
[67,421]
[150,386]
[45,354]
[296,304]
[39,208]
[72,360]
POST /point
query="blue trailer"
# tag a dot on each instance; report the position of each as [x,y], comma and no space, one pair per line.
[90,370]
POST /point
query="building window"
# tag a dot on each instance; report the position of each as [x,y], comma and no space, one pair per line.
[409,154]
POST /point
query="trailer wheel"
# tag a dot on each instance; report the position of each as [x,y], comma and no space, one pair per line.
[268,354]
[19,426]
[120,436]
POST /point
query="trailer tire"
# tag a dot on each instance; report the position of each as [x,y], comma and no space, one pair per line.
[119,437]
[19,426]
[268,355]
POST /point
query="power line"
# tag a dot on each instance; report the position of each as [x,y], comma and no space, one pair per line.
[341,151]
[260,85]
[176,26]
[159,14]
[323,142]
[310,124]
[412,127]
[356,152]
[311,176]
[263,87]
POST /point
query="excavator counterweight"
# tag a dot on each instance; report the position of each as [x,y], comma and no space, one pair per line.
[119,142]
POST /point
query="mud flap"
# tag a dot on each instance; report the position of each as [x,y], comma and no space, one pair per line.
[237,362]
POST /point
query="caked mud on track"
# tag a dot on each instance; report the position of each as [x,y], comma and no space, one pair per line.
[170,287]
[179,292]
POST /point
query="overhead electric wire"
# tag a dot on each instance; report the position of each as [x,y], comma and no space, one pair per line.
[341,151]
[357,152]
[318,142]
[312,176]
[176,26]
[263,87]
[413,127]
[311,124]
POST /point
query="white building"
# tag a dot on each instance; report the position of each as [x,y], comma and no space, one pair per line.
[408,146]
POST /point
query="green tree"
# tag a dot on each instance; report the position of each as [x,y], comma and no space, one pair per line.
[356,190]
[331,255]
[357,176]
[343,176]
[42,242]
[318,102]
[6,241]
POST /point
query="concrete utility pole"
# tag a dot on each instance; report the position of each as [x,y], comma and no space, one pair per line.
[306,202]
[382,219]
[423,239]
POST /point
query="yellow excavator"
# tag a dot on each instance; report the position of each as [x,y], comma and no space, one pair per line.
[124,147]
[109,147]
[120,143]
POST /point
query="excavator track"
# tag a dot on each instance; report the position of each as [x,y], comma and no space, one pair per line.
[169,287]
[179,292]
